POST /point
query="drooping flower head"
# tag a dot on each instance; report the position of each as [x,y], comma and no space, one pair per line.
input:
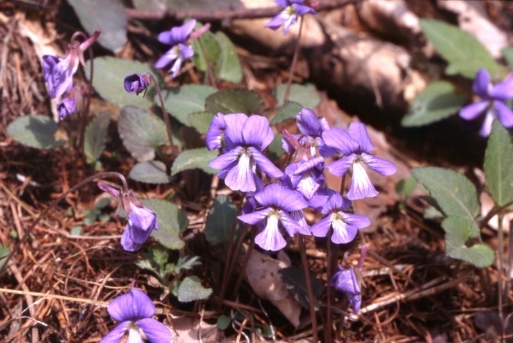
[181,49]
[492,102]
[136,83]
[346,282]
[141,220]
[134,312]
[245,138]
[293,9]
[58,72]
[356,146]
[275,204]
[345,225]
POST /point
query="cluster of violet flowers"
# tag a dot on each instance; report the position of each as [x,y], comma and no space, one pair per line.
[276,199]
[58,74]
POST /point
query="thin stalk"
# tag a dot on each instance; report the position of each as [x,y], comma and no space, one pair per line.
[493,212]
[210,72]
[85,112]
[313,317]
[227,262]
[510,262]
[329,292]
[164,114]
[294,60]
[244,264]
[500,266]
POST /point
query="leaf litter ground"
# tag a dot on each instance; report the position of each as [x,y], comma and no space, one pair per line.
[56,286]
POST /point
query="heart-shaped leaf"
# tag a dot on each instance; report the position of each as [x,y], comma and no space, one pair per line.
[184,100]
[305,95]
[194,158]
[35,131]
[96,136]
[107,16]
[191,289]
[288,111]
[228,65]
[438,101]
[149,172]
[200,121]
[142,132]
[220,219]
[235,100]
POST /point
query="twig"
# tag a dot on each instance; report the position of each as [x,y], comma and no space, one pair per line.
[217,15]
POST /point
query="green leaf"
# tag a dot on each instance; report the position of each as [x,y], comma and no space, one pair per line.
[211,46]
[75,231]
[508,55]
[160,256]
[4,253]
[220,219]
[498,165]
[171,221]
[294,280]
[146,264]
[109,74]
[200,121]
[187,263]
[276,148]
[438,101]
[228,65]
[184,100]
[191,289]
[194,158]
[288,111]
[480,255]
[142,132]
[235,100]
[305,95]
[150,172]
[35,131]
[96,136]
[465,54]
[458,230]
[454,193]
[223,322]
[405,187]
[107,16]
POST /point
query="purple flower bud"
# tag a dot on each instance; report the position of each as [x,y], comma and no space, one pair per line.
[345,282]
[66,107]
[136,83]
[134,312]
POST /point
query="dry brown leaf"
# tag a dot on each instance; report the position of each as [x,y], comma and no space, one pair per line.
[262,275]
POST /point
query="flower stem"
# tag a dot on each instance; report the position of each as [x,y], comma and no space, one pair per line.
[500,266]
[165,115]
[210,72]
[85,112]
[294,61]
[309,289]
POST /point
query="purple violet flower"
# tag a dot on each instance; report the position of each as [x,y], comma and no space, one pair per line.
[215,134]
[292,10]
[245,139]
[180,50]
[136,83]
[276,204]
[141,220]
[492,102]
[345,225]
[356,146]
[134,312]
[310,143]
[58,72]
[306,176]
[346,282]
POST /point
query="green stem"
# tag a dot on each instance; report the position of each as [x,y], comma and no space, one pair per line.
[308,281]
[85,113]
[164,114]
[294,61]
[210,72]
